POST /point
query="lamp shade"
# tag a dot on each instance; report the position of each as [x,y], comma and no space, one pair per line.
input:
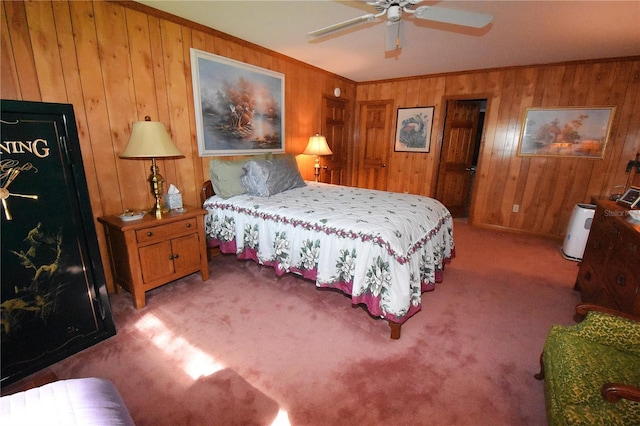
[317,146]
[150,139]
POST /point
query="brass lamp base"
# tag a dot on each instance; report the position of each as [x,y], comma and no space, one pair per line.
[316,168]
[156,183]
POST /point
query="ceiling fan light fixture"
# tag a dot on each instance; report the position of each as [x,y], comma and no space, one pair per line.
[394,13]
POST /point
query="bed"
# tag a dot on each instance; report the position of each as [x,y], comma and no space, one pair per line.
[384,249]
[87,402]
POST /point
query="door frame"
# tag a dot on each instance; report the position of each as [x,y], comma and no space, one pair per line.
[442,116]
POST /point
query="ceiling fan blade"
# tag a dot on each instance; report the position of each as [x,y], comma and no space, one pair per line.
[454,16]
[341,25]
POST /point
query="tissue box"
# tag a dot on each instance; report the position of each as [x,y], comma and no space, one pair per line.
[173,201]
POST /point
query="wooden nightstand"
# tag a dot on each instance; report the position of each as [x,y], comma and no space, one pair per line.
[149,252]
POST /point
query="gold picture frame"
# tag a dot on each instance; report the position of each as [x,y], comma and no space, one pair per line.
[239,107]
[581,132]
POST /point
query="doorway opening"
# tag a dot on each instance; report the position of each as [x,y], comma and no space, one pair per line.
[463,129]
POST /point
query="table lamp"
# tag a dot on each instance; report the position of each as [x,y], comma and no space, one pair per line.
[317,146]
[150,139]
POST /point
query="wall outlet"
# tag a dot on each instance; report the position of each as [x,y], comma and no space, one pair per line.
[516,208]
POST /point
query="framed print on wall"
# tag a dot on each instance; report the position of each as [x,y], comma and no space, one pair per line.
[566,132]
[239,107]
[413,129]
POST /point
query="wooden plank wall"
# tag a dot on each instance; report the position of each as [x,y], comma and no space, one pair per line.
[118,62]
[546,189]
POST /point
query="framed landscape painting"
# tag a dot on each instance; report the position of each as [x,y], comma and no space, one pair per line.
[413,129]
[566,132]
[239,107]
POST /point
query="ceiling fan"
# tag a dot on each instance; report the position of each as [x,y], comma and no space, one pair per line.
[394,9]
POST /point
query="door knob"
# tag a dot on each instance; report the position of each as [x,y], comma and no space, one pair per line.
[383,165]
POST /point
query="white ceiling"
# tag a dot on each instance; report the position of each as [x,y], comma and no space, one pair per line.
[522,32]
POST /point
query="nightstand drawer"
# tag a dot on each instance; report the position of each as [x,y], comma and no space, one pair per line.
[161,232]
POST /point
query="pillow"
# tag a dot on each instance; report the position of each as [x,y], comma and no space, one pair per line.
[269,177]
[225,175]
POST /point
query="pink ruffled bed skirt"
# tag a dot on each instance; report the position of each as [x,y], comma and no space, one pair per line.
[372,303]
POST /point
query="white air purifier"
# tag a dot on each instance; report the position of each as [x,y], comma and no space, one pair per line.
[575,240]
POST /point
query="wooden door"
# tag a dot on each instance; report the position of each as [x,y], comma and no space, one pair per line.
[335,128]
[374,142]
[456,159]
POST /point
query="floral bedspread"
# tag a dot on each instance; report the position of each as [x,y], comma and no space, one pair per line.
[382,248]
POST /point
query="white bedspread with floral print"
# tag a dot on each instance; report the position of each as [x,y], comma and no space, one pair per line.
[382,248]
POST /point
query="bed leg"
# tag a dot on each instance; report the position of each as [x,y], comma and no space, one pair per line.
[212,252]
[395,329]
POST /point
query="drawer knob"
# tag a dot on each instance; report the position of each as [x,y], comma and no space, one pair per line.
[188,225]
[587,276]
[149,234]
[621,280]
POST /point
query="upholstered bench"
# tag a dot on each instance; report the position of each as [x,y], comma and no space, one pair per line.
[82,402]
[592,370]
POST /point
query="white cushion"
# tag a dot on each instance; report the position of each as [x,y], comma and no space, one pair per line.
[86,402]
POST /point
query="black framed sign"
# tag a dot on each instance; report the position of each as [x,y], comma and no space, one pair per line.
[54,299]
[630,198]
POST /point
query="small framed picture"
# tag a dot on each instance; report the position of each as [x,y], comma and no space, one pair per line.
[630,198]
[413,129]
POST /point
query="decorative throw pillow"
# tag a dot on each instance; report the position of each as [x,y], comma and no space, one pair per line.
[225,174]
[269,177]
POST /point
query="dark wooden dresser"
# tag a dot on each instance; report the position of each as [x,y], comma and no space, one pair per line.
[609,273]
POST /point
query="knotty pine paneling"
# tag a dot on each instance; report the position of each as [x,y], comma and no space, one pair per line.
[117,62]
[545,188]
